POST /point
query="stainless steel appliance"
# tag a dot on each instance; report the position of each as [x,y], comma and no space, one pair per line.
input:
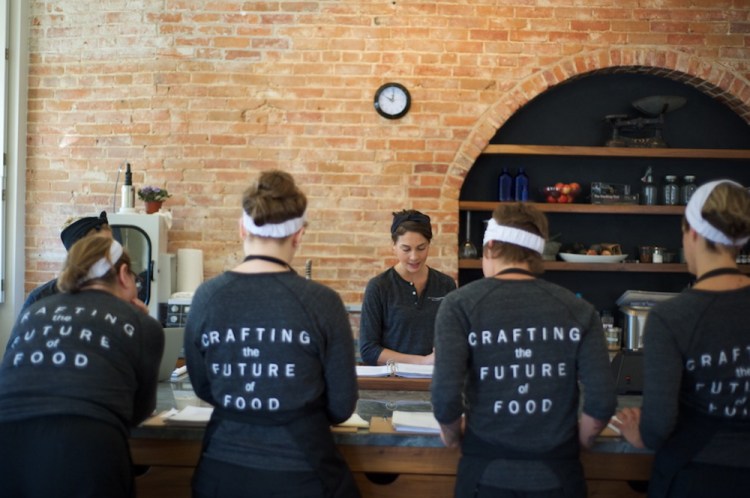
[627,365]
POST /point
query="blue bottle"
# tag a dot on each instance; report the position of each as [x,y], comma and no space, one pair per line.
[521,185]
[505,186]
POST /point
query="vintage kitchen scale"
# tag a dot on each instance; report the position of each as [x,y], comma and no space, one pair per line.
[643,131]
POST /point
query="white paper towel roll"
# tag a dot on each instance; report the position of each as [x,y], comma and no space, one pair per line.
[189,269]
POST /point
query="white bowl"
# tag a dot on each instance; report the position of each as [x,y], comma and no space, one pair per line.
[585,258]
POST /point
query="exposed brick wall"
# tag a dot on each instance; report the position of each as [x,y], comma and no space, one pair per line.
[201,94]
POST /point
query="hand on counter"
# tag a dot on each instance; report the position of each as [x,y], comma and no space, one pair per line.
[627,421]
[452,433]
[389,356]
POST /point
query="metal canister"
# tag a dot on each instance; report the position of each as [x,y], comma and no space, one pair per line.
[634,322]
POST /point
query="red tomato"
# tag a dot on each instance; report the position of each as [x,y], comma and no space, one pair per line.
[575,187]
[559,186]
[551,199]
[562,198]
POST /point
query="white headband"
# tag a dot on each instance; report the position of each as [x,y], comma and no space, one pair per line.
[103,265]
[512,235]
[273,230]
[703,227]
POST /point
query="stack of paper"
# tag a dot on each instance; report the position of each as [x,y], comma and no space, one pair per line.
[397,369]
[413,371]
[422,422]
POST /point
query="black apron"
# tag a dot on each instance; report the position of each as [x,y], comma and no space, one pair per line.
[310,428]
[477,454]
[693,432]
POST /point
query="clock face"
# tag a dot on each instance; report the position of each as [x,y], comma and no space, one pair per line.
[392,101]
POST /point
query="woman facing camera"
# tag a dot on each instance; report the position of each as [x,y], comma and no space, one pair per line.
[512,352]
[80,369]
[274,354]
[696,389]
[399,307]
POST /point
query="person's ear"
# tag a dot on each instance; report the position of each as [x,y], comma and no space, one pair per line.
[123,275]
[242,229]
[297,237]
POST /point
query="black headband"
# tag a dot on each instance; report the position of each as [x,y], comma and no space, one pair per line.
[413,216]
[78,230]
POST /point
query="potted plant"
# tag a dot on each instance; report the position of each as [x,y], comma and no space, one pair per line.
[153,197]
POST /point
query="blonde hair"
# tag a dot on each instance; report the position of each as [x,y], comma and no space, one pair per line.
[524,217]
[82,256]
[273,198]
[727,209]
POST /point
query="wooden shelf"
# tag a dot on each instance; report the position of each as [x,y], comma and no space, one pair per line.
[476,264]
[567,150]
[581,208]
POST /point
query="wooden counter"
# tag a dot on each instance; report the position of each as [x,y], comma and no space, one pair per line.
[385,465]
[392,471]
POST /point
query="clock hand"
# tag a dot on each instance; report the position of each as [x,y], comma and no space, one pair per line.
[393,96]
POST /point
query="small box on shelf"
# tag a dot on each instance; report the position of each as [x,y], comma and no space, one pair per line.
[612,193]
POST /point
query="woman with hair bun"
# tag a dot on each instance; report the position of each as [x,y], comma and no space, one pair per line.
[515,353]
[80,370]
[696,390]
[400,304]
[273,353]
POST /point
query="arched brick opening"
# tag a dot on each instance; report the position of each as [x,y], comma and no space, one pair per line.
[717,81]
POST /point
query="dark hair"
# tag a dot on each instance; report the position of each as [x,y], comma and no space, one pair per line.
[75,230]
[524,217]
[274,198]
[410,220]
[82,256]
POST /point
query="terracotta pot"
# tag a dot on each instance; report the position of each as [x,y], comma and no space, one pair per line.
[153,206]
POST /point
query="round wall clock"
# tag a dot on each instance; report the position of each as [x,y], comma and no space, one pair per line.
[392,100]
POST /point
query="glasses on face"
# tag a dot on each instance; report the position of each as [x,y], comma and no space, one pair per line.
[138,279]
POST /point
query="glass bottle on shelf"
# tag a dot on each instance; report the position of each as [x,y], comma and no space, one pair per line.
[522,185]
[648,189]
[687,189]
[505,186]
[671,190]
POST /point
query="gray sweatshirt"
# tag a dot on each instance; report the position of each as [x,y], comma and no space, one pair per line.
[88,354]
[697,355]
[512,355]
[264,344]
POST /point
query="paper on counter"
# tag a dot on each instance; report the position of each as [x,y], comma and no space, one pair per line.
[191,415]
[355,421]
[422,422]
[179,373]
[373,371]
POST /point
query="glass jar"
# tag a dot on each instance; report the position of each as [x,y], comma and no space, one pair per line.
[658,255]
[648,190]
[671,191]
[688,189]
